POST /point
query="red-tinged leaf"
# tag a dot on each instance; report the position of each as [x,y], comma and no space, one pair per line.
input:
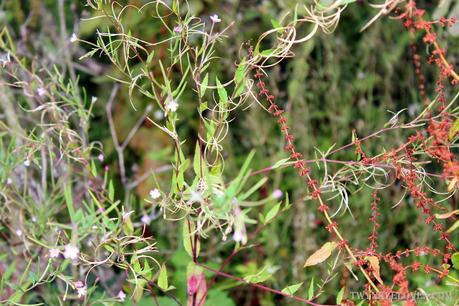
[196,285]
[447,215]
[321,254]
[374,263]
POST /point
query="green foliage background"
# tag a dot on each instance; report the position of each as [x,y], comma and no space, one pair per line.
[336,83]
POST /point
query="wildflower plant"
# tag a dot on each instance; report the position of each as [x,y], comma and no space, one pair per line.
[90,228]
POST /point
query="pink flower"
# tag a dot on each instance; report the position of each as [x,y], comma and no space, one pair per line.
[121,295]
[193,284]
[178,29]
[215,18]
[81,289]
[54,253]
[277,194]
[71,252]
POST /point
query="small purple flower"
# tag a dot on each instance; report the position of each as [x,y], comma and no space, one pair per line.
[81,289]
[178,29]
[145,219]
[41,91]
[100,157]
[215,18]
[121,295]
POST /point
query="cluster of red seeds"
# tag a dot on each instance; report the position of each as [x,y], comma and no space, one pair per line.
[373,238]
[414,20]
[438,147]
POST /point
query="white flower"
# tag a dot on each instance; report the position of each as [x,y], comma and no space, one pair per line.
[100,157]
[18,233]
[81,289]
[9,181]
[74,38]
[158,115]
[121,295]
[154,193]
[145,219]
[5,58]
[215,18]
[71,252]
[41,91]
[54,253]
[277,194]
[171,105]
[196,197]
[238,236]
[27,163]
[93,99]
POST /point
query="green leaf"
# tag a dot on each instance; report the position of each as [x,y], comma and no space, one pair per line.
[219,297]
[339,297]
[203,107]
[111,191]
[292,288]
[455,260]
[275,23]
[342,2]
[260,276]
[204,83]
[197,160]
[254,188]
[93,168]
[454,129]
[240,73]
[267,52]
[150,57]
[189,238]
[311,290]
[453,227]
[272,213]
[69,201]
[222,94]
[280,163]
[162,278]
[239,78]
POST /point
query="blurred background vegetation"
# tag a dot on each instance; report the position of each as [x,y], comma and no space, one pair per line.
[340,82]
